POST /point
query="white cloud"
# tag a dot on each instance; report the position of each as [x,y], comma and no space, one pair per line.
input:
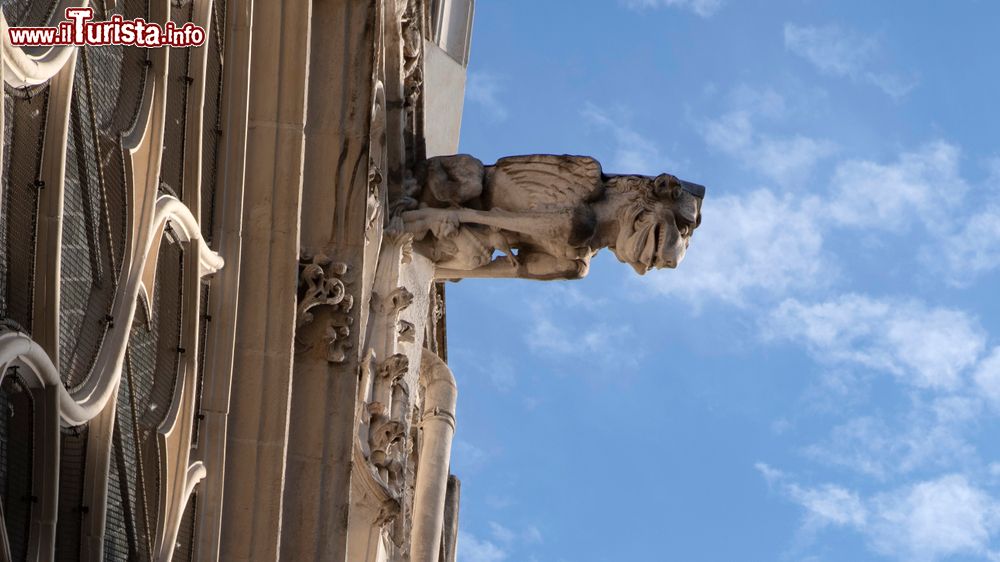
[788,161]
[920,440]
[634,153]
[933,520]
[704,8]
[483,89]
[969,253]
[827,504]
[757,242]
[501,533]
[468,458]
[593,339]
[601,341]
[532,535]
[987,377]
[922,522]
[926,347]
[507,536]
[473,549]
[838,52]
[925,184]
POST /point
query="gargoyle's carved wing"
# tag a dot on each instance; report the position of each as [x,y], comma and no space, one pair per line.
[537,182]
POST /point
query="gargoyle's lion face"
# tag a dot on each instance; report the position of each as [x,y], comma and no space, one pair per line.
[655,226]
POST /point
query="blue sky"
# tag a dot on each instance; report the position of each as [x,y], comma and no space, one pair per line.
[820,379]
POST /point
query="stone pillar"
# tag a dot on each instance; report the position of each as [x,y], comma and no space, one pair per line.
[262,371]
[438,429]
[449,539]
[225,289]
[335,224]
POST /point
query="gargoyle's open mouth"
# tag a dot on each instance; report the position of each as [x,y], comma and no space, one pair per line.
[655,253]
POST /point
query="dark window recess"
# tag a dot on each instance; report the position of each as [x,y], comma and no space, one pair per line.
[178,86]
[17,426]
[187,533]
[149,380]
[24,133]
[212,133]
[72,467]
[110,86]
[30,13]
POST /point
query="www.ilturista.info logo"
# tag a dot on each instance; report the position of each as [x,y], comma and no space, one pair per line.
[79,29]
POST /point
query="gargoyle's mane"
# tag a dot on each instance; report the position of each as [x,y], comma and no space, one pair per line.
[629,183]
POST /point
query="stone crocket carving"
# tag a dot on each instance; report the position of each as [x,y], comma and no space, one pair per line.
[549,215]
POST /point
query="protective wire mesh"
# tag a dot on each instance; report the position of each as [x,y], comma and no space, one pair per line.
[24,130]
[144,398]
[178,85]
[17,411]
[72,467]
[187,533]
[212,134]
[29,13]
[109,87]
[8,132]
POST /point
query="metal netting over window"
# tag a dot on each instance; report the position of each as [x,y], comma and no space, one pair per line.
[147,389]
[109,89]
[72,467]
[178,85]
[212,134]
[119,74]
[187,533]
[24,133]
[8,132]
[29,13]
[89,269]
[17,410]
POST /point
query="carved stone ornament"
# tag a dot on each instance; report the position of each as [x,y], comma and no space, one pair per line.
[407,332]
[393,303]
[549,215]
[322,291]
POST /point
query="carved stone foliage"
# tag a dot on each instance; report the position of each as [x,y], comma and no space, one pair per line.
[387,428]
[548,215]
[323,293]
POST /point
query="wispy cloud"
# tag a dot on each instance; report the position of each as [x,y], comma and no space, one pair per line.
[787,160]
[921,522]
[839,52]
[747,245]
[600,341]
[927,347]
[827,504]
[507,536]
[484,89]
[970,252]
[920,184]
[987,377]
[704,8]
[473,549]
[571,324]
[928,437]
[634,153]
[467,457]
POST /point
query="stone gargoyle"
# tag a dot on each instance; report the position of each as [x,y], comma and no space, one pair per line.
[549,215]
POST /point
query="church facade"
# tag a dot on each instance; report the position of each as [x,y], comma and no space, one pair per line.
[223,277]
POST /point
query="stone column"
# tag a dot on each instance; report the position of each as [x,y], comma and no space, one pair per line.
[335,219]
[438,429]
[225,288]
[262,370]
